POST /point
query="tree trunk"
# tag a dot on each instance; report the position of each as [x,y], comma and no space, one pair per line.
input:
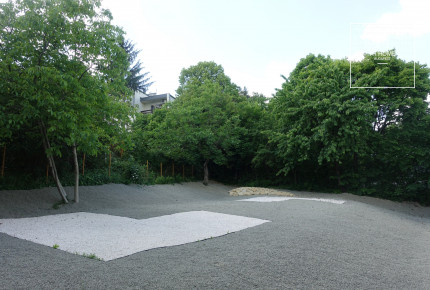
[51,161]
[206,173]
[83,165]
[75,160]
[295,176]
[338,175]
[355,162]
[3,162]
[110,161]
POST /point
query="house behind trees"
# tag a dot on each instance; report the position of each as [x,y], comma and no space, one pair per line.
[147,103]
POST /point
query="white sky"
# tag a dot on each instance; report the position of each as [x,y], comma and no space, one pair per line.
[256,40]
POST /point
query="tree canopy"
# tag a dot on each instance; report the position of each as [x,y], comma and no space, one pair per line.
[136,80]
[64,72]
[202,125]
[205,72]
[322,125]
[318,132]
[319,118]
[67,74]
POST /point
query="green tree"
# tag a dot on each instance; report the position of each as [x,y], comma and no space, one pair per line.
[205,72]
[397,164]
[136,80]
[65,73]
[319,118]
[371,140]
[254,120]
[202,124]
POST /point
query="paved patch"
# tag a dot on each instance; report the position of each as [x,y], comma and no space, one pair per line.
[111,237]
[282,198]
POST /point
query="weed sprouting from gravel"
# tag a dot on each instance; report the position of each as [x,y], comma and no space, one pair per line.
[92,256]
[58,204]
[89,256]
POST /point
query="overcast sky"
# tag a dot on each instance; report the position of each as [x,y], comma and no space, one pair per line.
[256,41]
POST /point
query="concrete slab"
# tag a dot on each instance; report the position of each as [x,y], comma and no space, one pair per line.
[282,198]
[111,237]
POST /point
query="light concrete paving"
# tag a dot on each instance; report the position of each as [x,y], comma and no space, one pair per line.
[111,237]
[280,198]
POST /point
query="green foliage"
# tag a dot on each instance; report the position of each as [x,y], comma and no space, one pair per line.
[202,124]
[165,180]
[135,80]
[71,77]
[55,246]
[319,118]
[58,205]
[206,72]
[95,176]
[59,69]
[99,177]
[370,141]
[64,76]
[171,179]
[21,181]
[130,170]
[260,183]
[316,133]
[92,256]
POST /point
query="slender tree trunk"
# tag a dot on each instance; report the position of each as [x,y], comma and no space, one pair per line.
[83,165]
[51,161]
[295,176]
[355,162]
[3,162]
[206,173]
[110,161]
[47,173]
[75,160]
[317,176]
[338,175]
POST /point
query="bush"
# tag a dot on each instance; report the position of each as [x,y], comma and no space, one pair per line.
[24,181]
[129,170]
[165,180]
[99,177]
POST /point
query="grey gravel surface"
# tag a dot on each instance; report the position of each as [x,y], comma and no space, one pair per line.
[365,243]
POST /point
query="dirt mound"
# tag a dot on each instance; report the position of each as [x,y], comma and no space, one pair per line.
[258,191]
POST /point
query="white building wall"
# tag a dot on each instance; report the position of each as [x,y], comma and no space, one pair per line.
[136,101]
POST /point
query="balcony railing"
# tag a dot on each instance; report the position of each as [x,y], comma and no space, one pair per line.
[153,107]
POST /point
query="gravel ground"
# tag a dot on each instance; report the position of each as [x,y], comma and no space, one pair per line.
[365,243]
